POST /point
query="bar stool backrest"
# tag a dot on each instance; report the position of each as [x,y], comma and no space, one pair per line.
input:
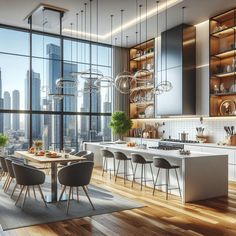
[106,153]
[137,158]
[161,163]
[3,164]
[120,156]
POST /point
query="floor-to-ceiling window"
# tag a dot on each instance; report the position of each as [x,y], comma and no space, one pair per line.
[30,65]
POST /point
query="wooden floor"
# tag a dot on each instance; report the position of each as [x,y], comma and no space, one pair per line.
[214,217]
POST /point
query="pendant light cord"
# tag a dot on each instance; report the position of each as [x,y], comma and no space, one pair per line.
[157,42]
[111,45]
[166,41]
[71,46]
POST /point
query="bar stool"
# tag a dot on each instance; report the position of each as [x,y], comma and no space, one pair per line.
[120,156]
[106,154]
[161,163]
[138,159]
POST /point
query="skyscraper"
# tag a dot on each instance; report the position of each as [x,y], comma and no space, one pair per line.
[15,106]
[36,104]
[1,104]
[7,106]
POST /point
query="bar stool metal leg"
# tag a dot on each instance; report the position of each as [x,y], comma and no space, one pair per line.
[156,181]
[134,173]
[117,170]
[114,166]
[142,177]
[167,183]
[103,166]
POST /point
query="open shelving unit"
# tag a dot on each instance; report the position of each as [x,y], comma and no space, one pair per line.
[223,64]
[142,56]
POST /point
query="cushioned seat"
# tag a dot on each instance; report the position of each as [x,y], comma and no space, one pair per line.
[76,175]
[27,176]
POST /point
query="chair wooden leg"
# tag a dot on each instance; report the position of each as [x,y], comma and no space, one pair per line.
[8,185]
[6,182]
[68,201]
[63,190]
[85,191]
[13,191]
[77,192]
[23,203]
[154,187]
[22,188]
[41,193]
[34,193]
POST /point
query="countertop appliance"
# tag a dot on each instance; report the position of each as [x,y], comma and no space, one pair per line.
[180,141]
[168,146]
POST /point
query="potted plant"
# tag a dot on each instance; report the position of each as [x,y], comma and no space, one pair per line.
[3,142]
[120,124]
[141,115]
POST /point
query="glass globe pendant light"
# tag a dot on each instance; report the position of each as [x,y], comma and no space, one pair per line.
[124,78]
[142,75]
[92,74]
[165,85]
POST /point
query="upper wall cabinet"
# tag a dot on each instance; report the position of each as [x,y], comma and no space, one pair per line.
[223,64]
[178,56]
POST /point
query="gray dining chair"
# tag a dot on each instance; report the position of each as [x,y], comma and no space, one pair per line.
[4,171]
[27,176]
[76,175]
[86,154]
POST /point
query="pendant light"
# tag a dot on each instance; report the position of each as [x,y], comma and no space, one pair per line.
[165,85]
[157,90]
[123,79]
[92,73]
[44,87]
[142,74]
[72,82]
[107,81]
[89,76]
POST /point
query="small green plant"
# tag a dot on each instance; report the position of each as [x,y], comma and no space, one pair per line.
[120,123]
[3,140]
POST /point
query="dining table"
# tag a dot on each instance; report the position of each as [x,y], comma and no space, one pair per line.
[53,161]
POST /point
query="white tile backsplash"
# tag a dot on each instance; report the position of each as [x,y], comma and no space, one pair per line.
[213,128]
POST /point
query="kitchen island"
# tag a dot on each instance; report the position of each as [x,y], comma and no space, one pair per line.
[202,175]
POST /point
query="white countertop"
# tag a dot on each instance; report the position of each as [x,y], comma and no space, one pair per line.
[154,152]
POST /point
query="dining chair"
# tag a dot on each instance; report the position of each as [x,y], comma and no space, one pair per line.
[76,175]
[27,176]
[86,154]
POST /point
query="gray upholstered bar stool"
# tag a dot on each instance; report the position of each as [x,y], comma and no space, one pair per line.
[140,160]
[120,156]
[161,163]
[106,154]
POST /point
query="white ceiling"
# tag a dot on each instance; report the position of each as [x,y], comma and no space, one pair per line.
[13,12]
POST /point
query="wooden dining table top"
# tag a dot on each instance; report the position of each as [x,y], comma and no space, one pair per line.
[44,159]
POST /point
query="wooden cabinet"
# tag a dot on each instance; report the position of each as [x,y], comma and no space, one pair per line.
[142,58]
[178,53]
[223,64]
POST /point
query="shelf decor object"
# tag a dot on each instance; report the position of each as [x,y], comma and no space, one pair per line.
[123,79]
[222,80]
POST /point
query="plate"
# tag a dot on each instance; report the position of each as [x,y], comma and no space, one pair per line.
[227,108]
[50,156]
[149,111]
